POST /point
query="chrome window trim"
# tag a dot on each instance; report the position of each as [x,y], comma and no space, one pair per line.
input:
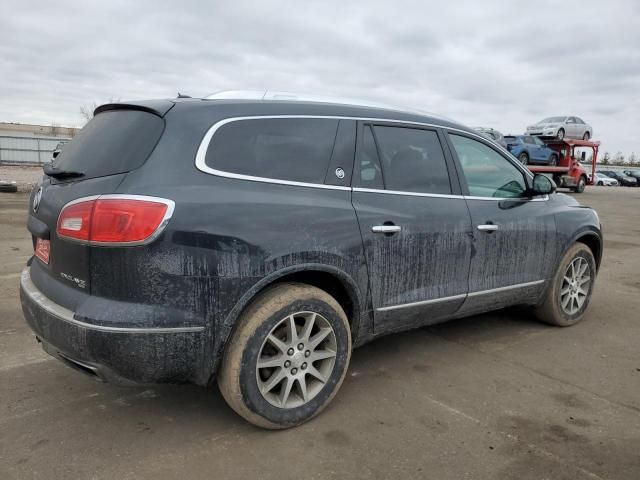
[67,315]
[171,205]
[412,194]
[463,295]
[459,197]
[206,140]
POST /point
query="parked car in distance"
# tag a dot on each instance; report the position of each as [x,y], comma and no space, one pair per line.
[602,179]
[624,180]
[254,243]
[492,134]
[529,149]
[633,173]
[561,127]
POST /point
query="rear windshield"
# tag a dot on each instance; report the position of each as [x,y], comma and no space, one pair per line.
[112,142]
[511,139]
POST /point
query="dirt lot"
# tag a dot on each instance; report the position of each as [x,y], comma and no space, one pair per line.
[490,397]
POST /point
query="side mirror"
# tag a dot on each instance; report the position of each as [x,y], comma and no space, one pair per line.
[542,185]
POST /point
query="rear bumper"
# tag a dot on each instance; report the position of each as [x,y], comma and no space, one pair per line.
[122,355]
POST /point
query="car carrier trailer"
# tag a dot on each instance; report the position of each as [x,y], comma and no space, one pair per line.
[569,172]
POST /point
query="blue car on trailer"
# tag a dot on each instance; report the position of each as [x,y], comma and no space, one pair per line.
[530,149]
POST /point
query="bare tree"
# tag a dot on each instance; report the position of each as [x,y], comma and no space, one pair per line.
[86,111]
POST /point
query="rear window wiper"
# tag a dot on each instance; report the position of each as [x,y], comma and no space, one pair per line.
[54,172]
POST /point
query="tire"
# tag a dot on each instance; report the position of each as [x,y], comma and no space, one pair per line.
[8,188]
[551,310]
[600,184]
[524,158]
[553,160]
[242,382]
[560,134]
[582,183]
[586,136]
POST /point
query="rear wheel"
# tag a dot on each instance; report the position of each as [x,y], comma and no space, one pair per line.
[524,158]
[287,357]
[586,136]
[568,296]
[561,134]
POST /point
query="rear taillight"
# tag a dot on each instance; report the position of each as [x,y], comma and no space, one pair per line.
[114,219]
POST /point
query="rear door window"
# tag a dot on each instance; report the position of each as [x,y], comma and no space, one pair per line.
[291,149]
[112,142]
[412,160]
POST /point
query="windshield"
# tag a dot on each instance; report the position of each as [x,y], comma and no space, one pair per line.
[552,120]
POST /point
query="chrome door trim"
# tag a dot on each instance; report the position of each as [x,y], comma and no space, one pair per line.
[504,289]
[461,296]
[422,302]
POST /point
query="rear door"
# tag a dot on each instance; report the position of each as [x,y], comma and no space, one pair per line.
[414,223]
[572,127]
[514,235]
[95,162]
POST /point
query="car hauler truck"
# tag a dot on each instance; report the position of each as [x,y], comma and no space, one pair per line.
[569,173]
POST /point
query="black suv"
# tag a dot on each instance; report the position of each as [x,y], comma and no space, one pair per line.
[255,242]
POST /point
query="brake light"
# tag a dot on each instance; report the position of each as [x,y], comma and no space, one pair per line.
[114,219]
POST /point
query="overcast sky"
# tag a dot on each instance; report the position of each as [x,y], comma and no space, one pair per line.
[493,64]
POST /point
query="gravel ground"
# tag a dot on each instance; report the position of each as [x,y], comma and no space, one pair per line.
[495,396]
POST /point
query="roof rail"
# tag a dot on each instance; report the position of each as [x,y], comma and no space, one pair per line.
[274,95]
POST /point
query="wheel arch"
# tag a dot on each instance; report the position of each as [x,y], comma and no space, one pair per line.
[331,279]
[594,242]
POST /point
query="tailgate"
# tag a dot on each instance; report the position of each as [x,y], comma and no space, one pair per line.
[115,142]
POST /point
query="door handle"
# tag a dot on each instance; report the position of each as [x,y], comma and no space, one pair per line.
[386,228]
[488,227]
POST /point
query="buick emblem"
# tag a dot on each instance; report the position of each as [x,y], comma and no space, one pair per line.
[36,199]
[339,172]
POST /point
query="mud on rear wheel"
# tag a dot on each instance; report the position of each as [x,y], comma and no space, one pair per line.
[287,356]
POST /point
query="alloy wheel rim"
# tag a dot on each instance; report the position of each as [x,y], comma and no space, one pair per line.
[296,359]
[575,286]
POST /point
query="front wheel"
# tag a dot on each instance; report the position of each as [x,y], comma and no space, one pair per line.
[568,296]
[582,183]
[287,357]
[600,184]
[561,134]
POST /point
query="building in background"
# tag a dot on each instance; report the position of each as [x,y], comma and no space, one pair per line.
[23,144]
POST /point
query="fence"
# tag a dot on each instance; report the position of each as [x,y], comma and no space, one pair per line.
[27,150]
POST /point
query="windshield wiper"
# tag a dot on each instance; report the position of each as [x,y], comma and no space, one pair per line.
[52,171]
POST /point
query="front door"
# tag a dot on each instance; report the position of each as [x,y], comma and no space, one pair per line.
[514,235]
[415,225]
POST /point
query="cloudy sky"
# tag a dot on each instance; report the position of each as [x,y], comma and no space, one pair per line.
[498,64]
